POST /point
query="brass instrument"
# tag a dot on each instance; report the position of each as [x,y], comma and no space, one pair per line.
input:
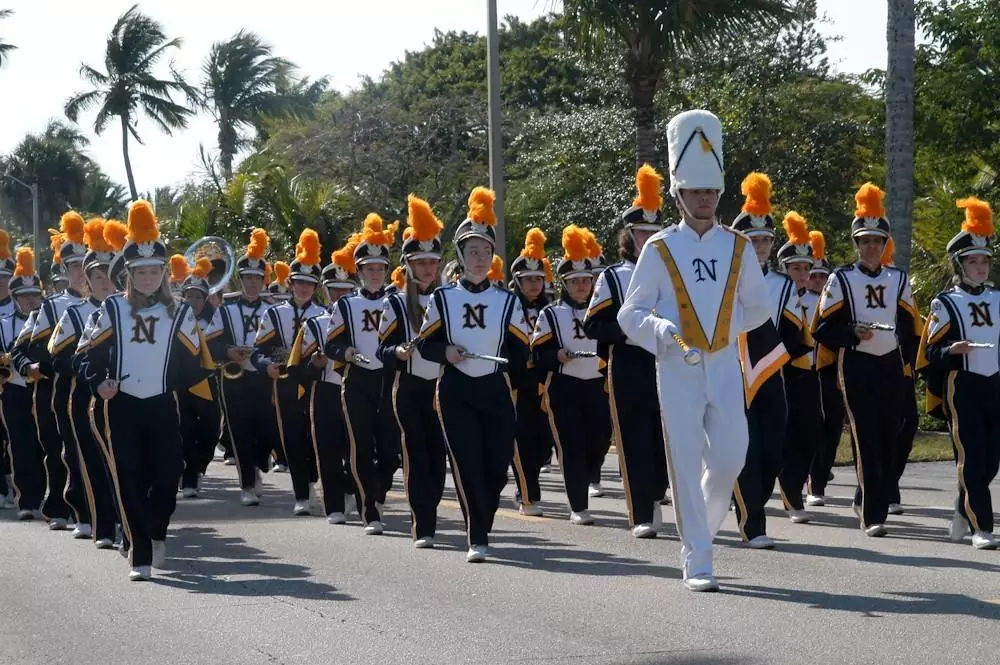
[874,325]
[232,369]
[5,366]
[279,356]
[220,253]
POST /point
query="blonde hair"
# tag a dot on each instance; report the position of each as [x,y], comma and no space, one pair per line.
[413,309]
[137,301]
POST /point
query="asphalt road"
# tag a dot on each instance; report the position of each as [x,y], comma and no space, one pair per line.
[251,586]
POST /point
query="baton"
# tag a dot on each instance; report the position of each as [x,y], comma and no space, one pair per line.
[980,345]
[691,356]
[872,325]
[479,356]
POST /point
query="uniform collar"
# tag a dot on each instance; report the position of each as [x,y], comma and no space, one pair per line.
[972,290]
[685,228]
[5,301]
[475,288]
[372,295]
[870,273]
[73,292]
[19,315]
[94,301]
[566,300]
[802,291]
[256,303]
[765,269]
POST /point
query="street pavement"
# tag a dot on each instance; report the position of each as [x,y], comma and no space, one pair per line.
[249,586]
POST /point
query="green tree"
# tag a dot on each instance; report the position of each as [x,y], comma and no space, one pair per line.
[653,33]
[5,47]
[129,86]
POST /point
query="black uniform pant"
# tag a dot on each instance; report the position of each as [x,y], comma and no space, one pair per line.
[532,445]
[638,432]
[581,428]
[477,416]
[75,491]
[200,424]
[295,442]
[94,470]
[904,441]
[767,418]
[56,473]
[832,401]
[972,404]
[147,458]
[98,427]
[4,461]
[250,425]
[873,396]
[26,456]
[804,433]
[422,443]
[329,440]
[373,437]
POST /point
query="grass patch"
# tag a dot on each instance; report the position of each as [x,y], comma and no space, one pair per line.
[927,447]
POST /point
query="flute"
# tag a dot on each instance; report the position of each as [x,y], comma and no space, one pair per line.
[479,356]
[874,325]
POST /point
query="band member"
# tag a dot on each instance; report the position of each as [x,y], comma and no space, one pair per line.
[831,400]
[278,291]
[464,323]
[908,429]
[802,388]
[958,357]
[65,499]
[26,456]
[272,355]
[631,368]
[694,277]
[414,378]
[101,519]
[575,400]
[7,309]
[352,342]
[533,444]
[142,349]
[326,417]
[865,315]
[251,429]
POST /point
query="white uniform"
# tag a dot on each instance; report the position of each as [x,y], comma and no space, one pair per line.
[10,330]
[975,316]
[241,320]
[394,314]
[565,323]
[314,338]
[714,286]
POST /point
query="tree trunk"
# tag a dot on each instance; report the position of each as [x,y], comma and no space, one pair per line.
[643,93]
[899,95]
[227,148]
[128,162]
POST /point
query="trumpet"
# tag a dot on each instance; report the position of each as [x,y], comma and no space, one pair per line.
[874,325]
[233,369]
[479,356]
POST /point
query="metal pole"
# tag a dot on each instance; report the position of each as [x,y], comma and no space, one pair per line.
[34,215]
[496,125]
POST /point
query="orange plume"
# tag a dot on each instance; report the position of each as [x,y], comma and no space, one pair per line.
[549,277]
[344,257]
[178,268]
[756,188]
[420,218]
[407,233]
[399,277]
[142,226]
[594,248]
[481,202]
[869,199]
[268,273]
[56,240]
[888,252]
[25,263]
[93,236]
[534,244]
[796,228]
[375,234]
[71,225]
[574,242]
[649,185]
[116,233]
[496,269]
[281,272]
[978,217]
[818,243]
[259,242]
[202,267]
[307,250]
[4,245]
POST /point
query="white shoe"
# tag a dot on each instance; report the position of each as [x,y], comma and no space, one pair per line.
[82,531]
[159,554]
[644,531]
[424,543]
[895,509]
[477,554]
[876,531]
[530,509]
[595,490]
[105,544]
[301,508]
[667,499]
[763,542]
[799,516]
[373,528]
[58,524]
[959,528]
[815,500]
[701,583]
[189,493]
[546,468]
[984,540]
[25,515]
[229,461]
[139,574]
[249,498]
[336,518]
[583,518]
[280,468]
[657,516]
[350,504]
[258,484]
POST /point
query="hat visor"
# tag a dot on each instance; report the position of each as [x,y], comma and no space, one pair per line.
[6,273]
[796,259]
[474,234]
[975,251]
[822,271]
[72,259]
[576,273]
[253,272]
[759,233]
[26,291]
[416,256]
[870,232]
[339,284]
[372,259]
[301,277]
[645,226]
[529,273]
[145,262]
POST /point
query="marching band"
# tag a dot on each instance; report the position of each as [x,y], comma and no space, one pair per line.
[714,372]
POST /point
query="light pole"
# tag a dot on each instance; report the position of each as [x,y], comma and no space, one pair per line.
[496,125]
[33,188]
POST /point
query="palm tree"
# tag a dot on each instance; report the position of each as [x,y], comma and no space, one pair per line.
[240,85]
[129,86]
[899,94]
[5,47]
[653,32]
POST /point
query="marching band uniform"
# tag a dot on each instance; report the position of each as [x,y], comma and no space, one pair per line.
[533,443]
[251,429]
[279,329]
[964,388]
[575,400]
[7,309]
[676,293]
[366,400]
[140,352]
[26,456]
[414,379]
[631,372]
[763,353]
[870,370]
[475,404]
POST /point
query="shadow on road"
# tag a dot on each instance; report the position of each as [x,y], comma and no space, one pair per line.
[894,559]
[201,561]
[551,556]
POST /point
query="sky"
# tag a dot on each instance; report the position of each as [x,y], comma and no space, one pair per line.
[342,39]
